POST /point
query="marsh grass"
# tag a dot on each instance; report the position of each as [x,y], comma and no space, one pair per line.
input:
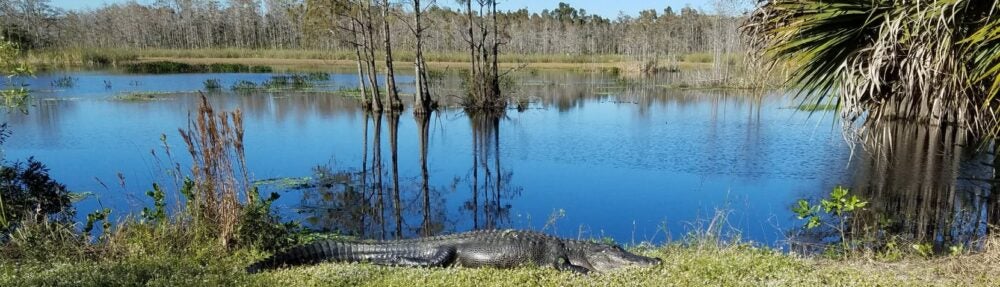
[166,67]
[215,143]
[64,82]
[139,97]
[212,84]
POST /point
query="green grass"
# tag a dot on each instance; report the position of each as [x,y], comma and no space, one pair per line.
[684,265]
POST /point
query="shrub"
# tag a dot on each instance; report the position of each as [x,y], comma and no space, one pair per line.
[27,192]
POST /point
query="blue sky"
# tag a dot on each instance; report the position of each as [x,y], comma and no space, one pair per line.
[606,8]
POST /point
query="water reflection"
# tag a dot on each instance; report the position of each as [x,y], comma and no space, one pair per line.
[357,202]
[923,184]
[618,157]
[491,188]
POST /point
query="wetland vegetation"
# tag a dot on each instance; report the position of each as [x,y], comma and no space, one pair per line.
[641,141]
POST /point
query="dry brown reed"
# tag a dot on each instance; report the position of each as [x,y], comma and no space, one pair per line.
[215,142]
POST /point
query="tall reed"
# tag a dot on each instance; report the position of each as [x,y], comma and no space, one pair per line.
[215,142]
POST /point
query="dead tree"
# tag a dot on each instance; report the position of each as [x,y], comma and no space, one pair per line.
[390,78]
[484,77]
[423,103]
[368,33]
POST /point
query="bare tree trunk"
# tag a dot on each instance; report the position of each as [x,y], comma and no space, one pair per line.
[376,101]
[390,78]
[397,207]
[361,69]
[473,73]
[377,176]
[364,177]
[423,101]
[423,120]
[495,74]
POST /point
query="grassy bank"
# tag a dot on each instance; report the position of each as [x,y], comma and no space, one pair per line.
[307,59]
[684,265]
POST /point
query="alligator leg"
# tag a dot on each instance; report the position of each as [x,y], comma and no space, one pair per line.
[565,265]
[441,257]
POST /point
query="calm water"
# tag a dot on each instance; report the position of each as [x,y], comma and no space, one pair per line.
[601,160]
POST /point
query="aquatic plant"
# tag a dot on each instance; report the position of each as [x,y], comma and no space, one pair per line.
[244,86]
[292,81]
[212,84]
[64,82]
[136,97]
[317,76]
[835,212]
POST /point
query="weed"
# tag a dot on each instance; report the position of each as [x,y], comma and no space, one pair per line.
[212,85]
[158,213]
[244,86]
[64,82]
[839,207]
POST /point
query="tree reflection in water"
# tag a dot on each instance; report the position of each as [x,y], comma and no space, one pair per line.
[490,184]
[354,202]
[924,184]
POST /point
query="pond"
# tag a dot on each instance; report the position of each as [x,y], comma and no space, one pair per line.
[586,155]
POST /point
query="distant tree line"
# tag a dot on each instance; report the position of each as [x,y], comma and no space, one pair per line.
[292,24]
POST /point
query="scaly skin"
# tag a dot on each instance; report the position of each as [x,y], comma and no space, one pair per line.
[493,248]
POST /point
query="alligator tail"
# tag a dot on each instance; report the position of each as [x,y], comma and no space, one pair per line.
[311,253]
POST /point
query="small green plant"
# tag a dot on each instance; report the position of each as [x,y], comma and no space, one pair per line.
[103,216]
[15,91]
[956,250]
[212,85]
[158,213]
[923,249]
[840,205]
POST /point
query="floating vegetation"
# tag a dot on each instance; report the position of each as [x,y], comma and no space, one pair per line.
[139,97]
[318,76]
[212,85]
[64,82]
[293,81]
[167,67]
[286,182]
[244,86]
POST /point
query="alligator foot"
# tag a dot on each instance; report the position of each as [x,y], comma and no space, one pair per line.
[565,265]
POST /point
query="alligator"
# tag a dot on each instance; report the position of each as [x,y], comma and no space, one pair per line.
[489,248]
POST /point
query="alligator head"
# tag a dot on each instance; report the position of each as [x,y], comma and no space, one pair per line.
[601,257]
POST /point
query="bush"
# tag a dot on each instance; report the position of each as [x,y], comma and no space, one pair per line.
[27,192]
